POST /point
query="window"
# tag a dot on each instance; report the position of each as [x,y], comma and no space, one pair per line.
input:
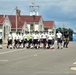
[0,33]
[31,27]
[0,26]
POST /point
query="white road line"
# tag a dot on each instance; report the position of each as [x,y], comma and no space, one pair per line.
[74,63]
[35,54]
[3,60]
[10,51]
[73,68]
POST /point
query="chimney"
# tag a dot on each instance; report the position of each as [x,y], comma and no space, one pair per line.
[18,12]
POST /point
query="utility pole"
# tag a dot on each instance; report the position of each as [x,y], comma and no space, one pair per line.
[16,18]
[17,14]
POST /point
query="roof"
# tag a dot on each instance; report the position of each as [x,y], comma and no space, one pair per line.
[2,17]
[48,24]
[22,19]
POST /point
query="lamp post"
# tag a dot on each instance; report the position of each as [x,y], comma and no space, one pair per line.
[16,19]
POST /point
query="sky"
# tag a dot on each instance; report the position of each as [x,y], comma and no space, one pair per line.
[59,11]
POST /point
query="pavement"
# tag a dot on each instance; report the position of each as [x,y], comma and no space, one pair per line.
[38,61]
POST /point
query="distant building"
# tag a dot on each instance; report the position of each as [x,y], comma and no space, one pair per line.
[2,17]
[50,27]
[24,23]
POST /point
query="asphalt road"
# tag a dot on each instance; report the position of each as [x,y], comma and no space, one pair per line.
[38,61]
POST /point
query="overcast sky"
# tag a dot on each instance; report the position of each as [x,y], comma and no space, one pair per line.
[61,11]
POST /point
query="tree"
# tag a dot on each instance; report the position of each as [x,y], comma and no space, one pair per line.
[70,34]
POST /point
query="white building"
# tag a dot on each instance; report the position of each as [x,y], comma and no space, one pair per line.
[24,23]
[50,27]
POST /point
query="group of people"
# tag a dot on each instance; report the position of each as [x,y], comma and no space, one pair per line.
[31,40]
[61,38]
[36,40]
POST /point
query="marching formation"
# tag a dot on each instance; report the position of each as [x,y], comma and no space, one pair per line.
[35,40]
[31,40]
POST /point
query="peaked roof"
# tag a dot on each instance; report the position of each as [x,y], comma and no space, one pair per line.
[22,19]
[2,17]
[48,24]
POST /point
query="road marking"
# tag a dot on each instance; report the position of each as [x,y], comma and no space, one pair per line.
[74,63]
[73,68]
[10,51]
[52,49]
[35,54]
[4,60]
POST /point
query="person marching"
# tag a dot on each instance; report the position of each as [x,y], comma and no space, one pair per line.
[0,41]
[31,40]
[35,39]
[59,39]
[44,40]
[41,40]
[28,40]
[10,40]
[47,42]
[25,39]
[16,41]
[66,39]
[38,40]
[53,39]
[20,40]
[50,41]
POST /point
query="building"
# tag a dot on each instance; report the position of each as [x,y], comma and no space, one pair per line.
[22,23]
[2,17]
[50,27]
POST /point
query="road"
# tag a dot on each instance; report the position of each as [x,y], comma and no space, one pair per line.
[38,61]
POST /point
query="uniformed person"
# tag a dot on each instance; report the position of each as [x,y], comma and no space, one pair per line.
[35,39]
[20,40]
[66,39]
[10,40]
[28,40]
[43,36]
[59,39]
[0,41]
[25,39]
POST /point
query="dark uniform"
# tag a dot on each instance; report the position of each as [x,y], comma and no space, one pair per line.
[66,39]
[0,41]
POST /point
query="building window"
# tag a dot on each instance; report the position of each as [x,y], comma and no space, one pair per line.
[0,26]
[31,27]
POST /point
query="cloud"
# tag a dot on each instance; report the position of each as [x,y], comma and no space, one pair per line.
[68,5]
[61,11]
